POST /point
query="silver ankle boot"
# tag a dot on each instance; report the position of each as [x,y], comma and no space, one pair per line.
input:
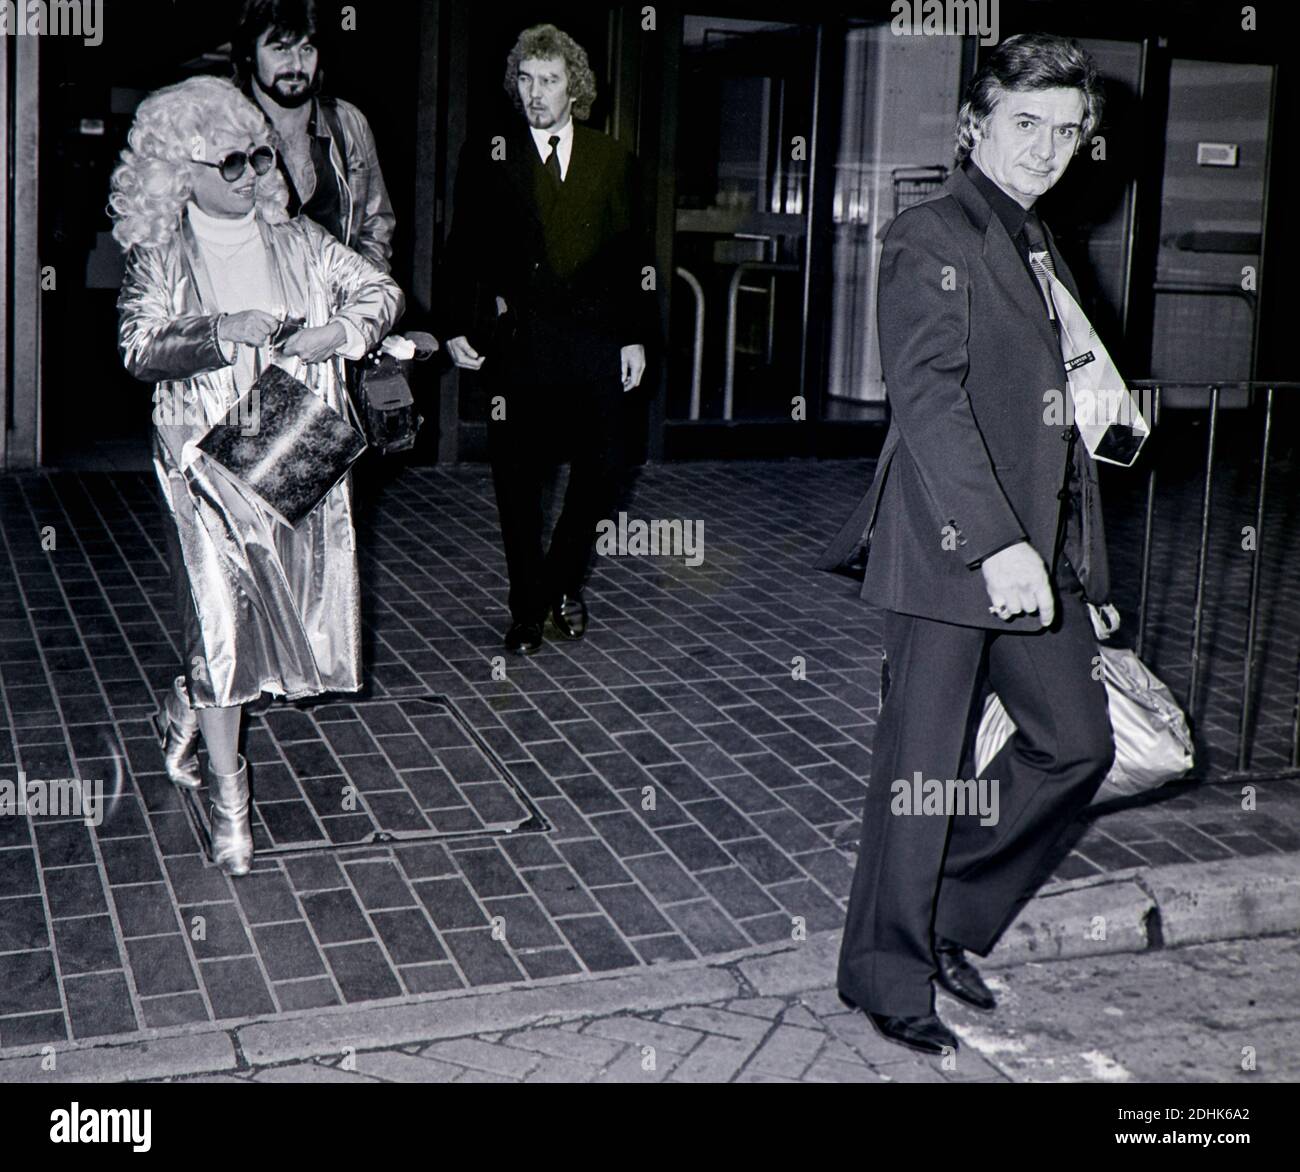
[232,835]
[178,730]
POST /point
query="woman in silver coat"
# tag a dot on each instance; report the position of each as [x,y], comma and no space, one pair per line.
[214,266]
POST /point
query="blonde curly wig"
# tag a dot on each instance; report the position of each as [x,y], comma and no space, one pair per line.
[155,178]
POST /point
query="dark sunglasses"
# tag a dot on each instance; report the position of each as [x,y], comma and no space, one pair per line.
[233,165]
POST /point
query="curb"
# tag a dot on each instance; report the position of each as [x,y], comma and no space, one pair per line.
[1132,911]
[209,1052]
[271,1042]
[1155,907]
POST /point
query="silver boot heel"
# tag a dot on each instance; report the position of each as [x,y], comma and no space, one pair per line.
[232,835]
[178,729]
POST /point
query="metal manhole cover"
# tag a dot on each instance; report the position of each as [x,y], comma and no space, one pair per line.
[356,773]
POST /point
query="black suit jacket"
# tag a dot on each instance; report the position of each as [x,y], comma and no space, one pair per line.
[568,263]
[973,460]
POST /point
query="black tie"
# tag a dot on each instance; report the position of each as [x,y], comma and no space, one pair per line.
[553,160]
[1040,261]
[1069,537]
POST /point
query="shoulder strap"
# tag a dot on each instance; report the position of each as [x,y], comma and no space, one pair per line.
[330,112]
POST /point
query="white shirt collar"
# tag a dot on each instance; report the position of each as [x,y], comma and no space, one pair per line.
[542,140]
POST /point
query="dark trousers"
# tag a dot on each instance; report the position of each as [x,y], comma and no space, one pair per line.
[579,423]
[921,876]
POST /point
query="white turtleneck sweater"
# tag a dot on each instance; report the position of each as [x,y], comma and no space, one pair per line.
[239,268]
[240,271]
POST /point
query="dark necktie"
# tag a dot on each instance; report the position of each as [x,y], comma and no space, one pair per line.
[1040,262]
[553,160]
[1069,538]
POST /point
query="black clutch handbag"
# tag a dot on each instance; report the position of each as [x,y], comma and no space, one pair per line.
[292,451]
[384,397]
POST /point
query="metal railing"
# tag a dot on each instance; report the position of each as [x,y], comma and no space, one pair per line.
[1270,392]
[697,350]
[733,303]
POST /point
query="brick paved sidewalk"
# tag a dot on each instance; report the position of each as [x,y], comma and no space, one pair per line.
[698,798]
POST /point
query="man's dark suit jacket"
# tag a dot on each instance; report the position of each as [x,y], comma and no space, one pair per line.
[568,263]
[969,461]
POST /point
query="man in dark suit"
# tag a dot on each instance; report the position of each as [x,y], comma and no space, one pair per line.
[984,542]
[544,291]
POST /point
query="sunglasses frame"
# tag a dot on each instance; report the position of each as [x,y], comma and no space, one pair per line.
[220,164]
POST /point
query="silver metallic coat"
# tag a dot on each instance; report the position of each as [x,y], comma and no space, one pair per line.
[274,609]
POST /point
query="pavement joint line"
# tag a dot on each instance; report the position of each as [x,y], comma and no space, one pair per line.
[744,1066]
[241,1060]
[744,986]
[1151,922]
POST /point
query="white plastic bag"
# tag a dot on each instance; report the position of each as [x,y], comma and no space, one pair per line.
[1152,742]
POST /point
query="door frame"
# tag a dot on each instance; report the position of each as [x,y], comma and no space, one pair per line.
[815,435]
[20,288]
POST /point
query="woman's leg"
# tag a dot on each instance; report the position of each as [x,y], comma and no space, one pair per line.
[220,728]
[228,792]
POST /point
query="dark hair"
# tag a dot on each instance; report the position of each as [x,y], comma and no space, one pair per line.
[545,42]
[290,20]
[1030,61]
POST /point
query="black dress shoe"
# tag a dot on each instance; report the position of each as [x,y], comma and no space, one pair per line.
[570,615]
[524,638]
[961,978]
[926,1034]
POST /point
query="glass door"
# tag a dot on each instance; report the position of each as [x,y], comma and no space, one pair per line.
[1211,226]
[896,140]
[743,150]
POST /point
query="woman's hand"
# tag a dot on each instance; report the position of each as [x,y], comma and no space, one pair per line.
[252,327]
[316,345]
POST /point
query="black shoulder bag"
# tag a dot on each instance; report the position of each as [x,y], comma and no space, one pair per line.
[379,381]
